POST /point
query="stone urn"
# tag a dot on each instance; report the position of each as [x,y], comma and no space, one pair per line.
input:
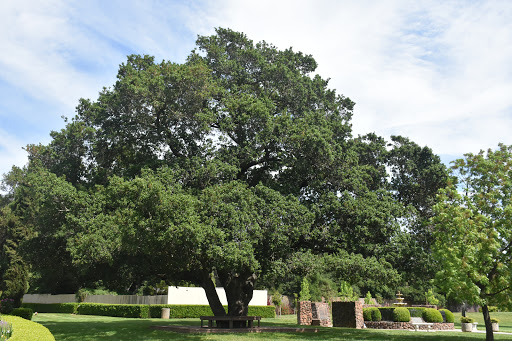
[466,324]
[466,327]
[495,326]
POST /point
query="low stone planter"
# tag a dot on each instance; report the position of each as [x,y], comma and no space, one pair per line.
[406,325]
[495,327]
[466,327]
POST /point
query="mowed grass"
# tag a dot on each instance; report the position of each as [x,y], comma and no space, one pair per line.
[89,328]
[504,318]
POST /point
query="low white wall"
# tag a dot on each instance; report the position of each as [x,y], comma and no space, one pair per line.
[176,295]
[197,296]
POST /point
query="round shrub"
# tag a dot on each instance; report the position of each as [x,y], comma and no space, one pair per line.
[448,315]
[372,314]
[432,315]
[401,315]
[464,319]
[376,315]
[367,314]
[493,320]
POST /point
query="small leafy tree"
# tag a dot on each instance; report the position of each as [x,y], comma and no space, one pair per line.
[304,294]
[430,297]
[277,301]
[368,299]
[346,291]
[473,232]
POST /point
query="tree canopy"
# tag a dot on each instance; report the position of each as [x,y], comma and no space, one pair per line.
[220,171]
[473,235]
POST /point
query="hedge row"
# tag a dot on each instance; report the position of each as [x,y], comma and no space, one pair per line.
[25,313]
[138,310]
[25,330]
[65,308]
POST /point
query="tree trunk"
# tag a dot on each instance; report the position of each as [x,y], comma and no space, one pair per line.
[211,295]
[239,290]
[489,336]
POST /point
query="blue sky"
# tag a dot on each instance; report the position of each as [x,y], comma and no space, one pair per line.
[438,72]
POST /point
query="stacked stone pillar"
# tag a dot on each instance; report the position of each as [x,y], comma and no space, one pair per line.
[304,313]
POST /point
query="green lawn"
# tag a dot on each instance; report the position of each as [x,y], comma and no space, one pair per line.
[505,320]
[90,328]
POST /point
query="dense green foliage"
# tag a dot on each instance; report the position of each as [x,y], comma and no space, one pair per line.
[115,310]
[236,168]
[465,319]
[372,314]
[448,316]
[474,225]
[67,308]
[416,311]
[25,330]
[432,315]
[139,310]
[401,315]
[25,313]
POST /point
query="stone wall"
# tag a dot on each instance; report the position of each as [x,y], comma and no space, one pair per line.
[406,325]
[304,313]
[347,314]
[321,314]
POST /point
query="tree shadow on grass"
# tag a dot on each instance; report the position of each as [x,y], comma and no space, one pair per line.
[90,328]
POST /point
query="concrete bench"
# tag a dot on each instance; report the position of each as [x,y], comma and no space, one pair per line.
[230,320]
[418,321]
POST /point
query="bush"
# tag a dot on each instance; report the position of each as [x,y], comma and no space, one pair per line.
[138,310]
[401,315]
[416,311]
[6,305]
[448,316]
[432,315]
[25,330]
[464,319]
[25,313]
[65,308]
[115,310]
[187,311]
[493,320]
[372,314]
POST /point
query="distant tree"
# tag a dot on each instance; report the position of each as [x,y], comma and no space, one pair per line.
[473,231]
[304,294]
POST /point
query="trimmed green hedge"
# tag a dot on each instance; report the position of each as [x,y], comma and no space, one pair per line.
[184,311]
[416,311]
[401,315]
[25,330]
[432,315]
[115,310]
[25,313]
[64,308]
[372,314]
[139,310]
[387,313]
[450,318]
